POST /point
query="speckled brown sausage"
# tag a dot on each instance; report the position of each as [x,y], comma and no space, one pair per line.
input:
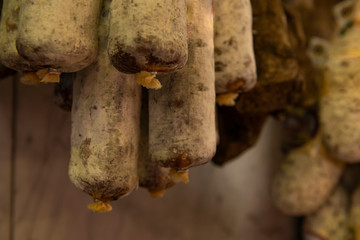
[105,129]
[9,56]
[235,68]
[148,35]
[339,102]
[182,113]
[151,176]
[276,63]
[330,221]
[61,35]
[305,179]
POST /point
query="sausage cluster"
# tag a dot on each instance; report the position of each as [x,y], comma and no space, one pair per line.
[101,52]
[318,178]
[158,87]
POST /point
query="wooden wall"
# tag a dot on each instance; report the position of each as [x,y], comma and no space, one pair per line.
[38,202]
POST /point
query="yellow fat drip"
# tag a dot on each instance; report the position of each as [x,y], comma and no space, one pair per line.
[100,206]
[51,78]
[157,193]
[43,75]
[148,80]
[227,99]
[30,78]
[177,176]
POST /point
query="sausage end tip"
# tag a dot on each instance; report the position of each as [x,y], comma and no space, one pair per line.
[177,176]
[148,80]
[227,99]
[100,207]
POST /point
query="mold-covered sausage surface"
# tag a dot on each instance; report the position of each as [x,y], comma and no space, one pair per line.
[182,113]
[8,31]
[105,129]
[339,103]
[148,35]
[330,221]
[59,34]
[235,67]
[151,176]
[305,179]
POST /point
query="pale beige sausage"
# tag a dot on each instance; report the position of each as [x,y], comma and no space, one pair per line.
[9,25]
[148,35]
[182,113]
[151,176]
[339,102]
[330,221]
[105,129]
[305,179]
[235,68]
[61,35]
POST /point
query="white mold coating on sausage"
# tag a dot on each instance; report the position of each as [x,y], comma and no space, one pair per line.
[182,113]
[59,34]
[9,25]
[340,100]
[235,68]
[148,35]
[305,179]
[330,221]
[105,129]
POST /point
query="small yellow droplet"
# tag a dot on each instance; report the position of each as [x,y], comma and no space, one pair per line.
[100,206]
[177,176]
[30,78]
[157,193]
[148,80]
[51,78]
[227,99]
[42,72]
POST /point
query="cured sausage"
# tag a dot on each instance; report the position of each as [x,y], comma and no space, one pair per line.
[151,176]
[330,221]
[182,128]
[305,179]
[339,108]
[9,25]
[148,36]
[235,68]
[105,129]
[60,35]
